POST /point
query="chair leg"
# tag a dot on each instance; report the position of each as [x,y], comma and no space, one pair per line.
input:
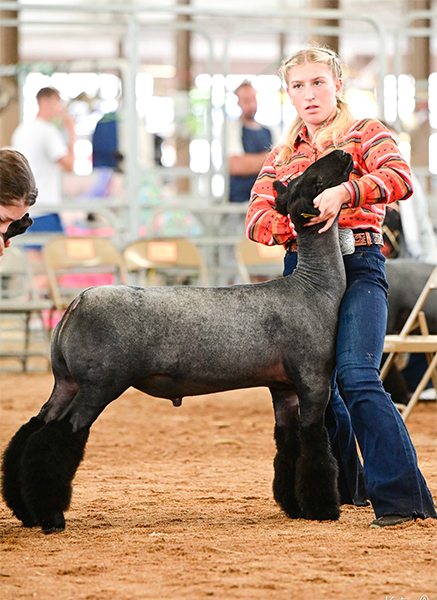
[434,373]
[26,340]
[51,318]
[415,397]
[47,333]
[387,365]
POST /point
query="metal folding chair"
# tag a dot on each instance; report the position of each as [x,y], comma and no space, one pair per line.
[173,258]
[405,342]
[257,260]
[75,263]
[19,301]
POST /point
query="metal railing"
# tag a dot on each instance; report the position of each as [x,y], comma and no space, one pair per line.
[133,20]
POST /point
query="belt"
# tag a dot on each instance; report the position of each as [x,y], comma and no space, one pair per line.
[365,238]
[368,238]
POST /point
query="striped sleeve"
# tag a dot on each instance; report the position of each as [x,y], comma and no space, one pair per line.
[263,223]
[383,175]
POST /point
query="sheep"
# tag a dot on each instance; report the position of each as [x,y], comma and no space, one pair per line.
[186,341]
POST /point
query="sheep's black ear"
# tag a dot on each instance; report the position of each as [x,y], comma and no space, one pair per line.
[281,204]
[280,188]
[281,200]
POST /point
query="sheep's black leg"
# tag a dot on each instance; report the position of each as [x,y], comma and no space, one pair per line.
[11,471]
[53,454]
[316,468]
[49,463]
[288,450]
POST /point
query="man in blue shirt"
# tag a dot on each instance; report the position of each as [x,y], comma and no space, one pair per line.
[248,145]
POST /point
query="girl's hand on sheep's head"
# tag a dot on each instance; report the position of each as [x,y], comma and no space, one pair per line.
[329,203]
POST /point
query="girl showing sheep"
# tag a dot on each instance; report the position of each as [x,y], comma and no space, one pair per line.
[313,79]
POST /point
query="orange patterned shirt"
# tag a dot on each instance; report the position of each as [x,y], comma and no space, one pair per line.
[380,175]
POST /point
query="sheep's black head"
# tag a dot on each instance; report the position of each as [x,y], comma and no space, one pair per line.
[17,227]
[296,199]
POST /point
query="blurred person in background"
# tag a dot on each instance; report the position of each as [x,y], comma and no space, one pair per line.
[248,145]
[419,235]
[43,144]
[407,229]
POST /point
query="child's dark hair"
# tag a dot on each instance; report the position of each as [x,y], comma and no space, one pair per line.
[17,183]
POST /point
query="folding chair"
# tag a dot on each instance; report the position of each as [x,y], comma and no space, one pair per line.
[257,260]
[405,342]
[173,258]
[19,300]
[76,263]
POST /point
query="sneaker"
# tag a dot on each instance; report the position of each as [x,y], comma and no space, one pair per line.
[388,520]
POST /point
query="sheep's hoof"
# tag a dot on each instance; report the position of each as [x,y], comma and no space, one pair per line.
[25,517]
[325,514]
[27,520]
[53,523]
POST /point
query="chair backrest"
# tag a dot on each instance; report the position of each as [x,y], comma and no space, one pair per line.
[415,316]
[16,276]
[171,255]
[259,260]
[75,263]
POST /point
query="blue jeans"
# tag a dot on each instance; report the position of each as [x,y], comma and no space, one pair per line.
[393,480]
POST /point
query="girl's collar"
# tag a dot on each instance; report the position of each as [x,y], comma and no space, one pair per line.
[303,133]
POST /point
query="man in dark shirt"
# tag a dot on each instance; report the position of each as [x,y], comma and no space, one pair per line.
[248,145]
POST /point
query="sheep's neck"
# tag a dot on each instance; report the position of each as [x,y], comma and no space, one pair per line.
[320,263]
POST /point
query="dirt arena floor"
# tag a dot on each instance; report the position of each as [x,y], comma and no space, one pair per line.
[176,503]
